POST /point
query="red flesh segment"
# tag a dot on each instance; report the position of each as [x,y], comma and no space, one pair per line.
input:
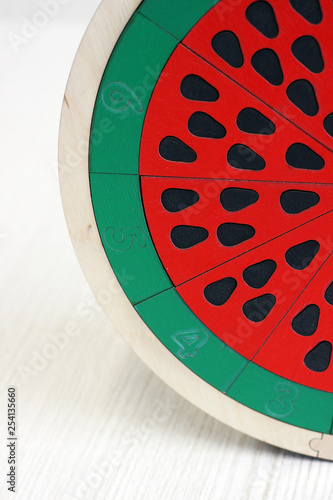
[168,115]
[224,17]
[228,321]
[266,216]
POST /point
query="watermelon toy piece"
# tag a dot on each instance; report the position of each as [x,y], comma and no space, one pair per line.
[196,174]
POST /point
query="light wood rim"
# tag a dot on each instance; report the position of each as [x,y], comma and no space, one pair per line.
[88,68]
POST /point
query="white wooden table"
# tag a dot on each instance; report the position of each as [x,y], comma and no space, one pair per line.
[94,422]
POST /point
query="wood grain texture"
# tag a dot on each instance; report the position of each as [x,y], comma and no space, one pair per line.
[90,423]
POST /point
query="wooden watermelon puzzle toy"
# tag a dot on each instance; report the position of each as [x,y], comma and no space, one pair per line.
[196,171]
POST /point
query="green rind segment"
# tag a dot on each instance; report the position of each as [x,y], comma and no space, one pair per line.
[125,235]
[176,16]
[131,75]
[185,336]
[283,400]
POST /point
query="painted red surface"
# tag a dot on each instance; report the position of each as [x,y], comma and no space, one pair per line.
[271,343]
[285,350]
[265,216]
[228,321]
[231,16]
[169,112]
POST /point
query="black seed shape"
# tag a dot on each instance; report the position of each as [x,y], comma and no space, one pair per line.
[242,157]
[184,237]
[301,156]
[175,200]
[300,256]
[226,46]
[258,275]
[261,16]
[219,293]
[173,149]
[306,322]
[302,95]
[295,201]
[319,358]
[203,125]
[328,124]
[235,199]
[230,234]
[267,64]
[258,309]
[329,294]
[252,121]
[195,88]
[309,9]
[307,51]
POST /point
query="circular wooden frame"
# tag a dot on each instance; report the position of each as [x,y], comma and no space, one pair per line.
[78,107]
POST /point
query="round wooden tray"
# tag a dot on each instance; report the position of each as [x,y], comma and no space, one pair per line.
[156,126]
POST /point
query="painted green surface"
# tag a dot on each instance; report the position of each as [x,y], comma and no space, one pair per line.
[183,334]
[176,16]
[125,236]
[287,401]
[124,95]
